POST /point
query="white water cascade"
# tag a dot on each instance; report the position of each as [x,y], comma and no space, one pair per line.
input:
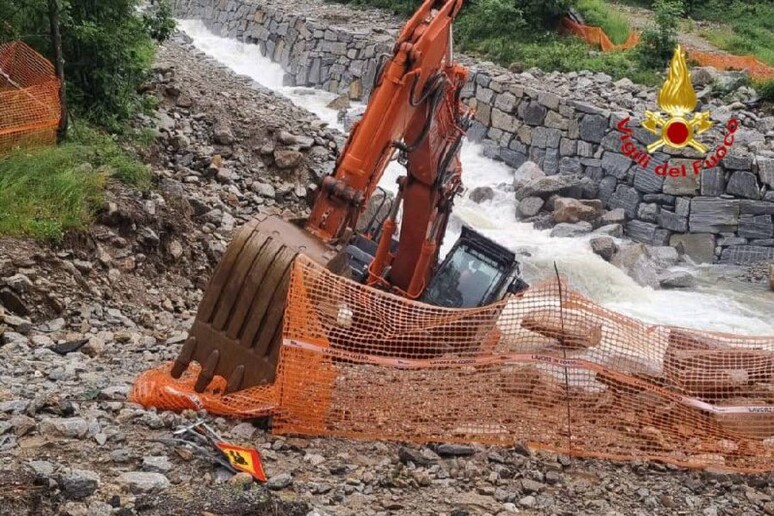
[715,304]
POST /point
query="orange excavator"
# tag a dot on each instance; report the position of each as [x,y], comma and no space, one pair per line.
[415,115]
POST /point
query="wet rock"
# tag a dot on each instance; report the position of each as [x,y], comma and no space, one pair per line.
[529,207]
[544,187]
[616,216]
[677,279]
[604,247]
[78,483]
[700,248]
[574,210]
[565,230]
[139,482]
[481,194]
[635,261]
[340,102]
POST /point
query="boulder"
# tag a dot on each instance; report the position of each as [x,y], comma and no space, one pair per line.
[604,247]
[616,216]
[698,247]
[528,171]
[546,186]
[481,194]
[565,230]
[677,279]
[636,262]
[771,275]
[574,210]
[340,102]
[613,230]
[530,206]
[704,75]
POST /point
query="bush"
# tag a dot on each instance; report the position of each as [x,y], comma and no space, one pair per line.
[766,90]
[658,43]
[490,19]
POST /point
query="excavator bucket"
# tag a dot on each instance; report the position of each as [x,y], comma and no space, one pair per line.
[237,332]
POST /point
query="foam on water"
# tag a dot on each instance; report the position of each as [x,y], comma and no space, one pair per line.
[735,307]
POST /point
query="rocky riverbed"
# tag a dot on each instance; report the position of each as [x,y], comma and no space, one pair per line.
[80,320]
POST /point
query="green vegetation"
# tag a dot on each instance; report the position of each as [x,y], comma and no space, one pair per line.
[107,50]
[600,14]
[743,26]
[47,191]
[521,34]
[765,89]
[658,43]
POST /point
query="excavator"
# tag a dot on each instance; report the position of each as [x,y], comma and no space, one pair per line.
[414,115]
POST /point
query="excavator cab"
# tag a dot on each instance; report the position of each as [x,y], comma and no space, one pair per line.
[476,272]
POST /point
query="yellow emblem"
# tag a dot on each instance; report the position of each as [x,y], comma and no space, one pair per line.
[678,99]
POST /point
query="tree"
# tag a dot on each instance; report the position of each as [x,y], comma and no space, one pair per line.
[56,45]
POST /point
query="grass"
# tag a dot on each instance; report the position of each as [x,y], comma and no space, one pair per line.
[565,54]
[47,191]
[600,14]
[744,39]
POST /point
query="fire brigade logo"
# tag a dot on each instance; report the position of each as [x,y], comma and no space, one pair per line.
[677,99]
[679,129]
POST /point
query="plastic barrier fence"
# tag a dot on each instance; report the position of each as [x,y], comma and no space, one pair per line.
[570,377]
[29,98]
[722,61]
[597,37]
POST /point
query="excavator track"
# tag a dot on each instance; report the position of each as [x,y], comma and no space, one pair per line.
[237,332]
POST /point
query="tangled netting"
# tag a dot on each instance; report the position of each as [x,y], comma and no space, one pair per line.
[548,367]
[597,37]
[29,98]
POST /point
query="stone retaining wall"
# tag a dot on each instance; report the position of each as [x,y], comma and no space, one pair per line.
[566,123]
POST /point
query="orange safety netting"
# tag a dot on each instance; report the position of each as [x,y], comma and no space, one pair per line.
[550,368]
[597,36]
[720,60]
[757,69]
[29,98]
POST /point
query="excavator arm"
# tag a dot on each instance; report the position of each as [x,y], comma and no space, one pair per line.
[415,111]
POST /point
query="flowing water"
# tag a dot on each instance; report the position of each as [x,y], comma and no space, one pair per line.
[717,303]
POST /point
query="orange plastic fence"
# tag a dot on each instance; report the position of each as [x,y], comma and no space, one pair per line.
[720,60]
[757,69]
[549,368]
[597,36]
[29,98]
